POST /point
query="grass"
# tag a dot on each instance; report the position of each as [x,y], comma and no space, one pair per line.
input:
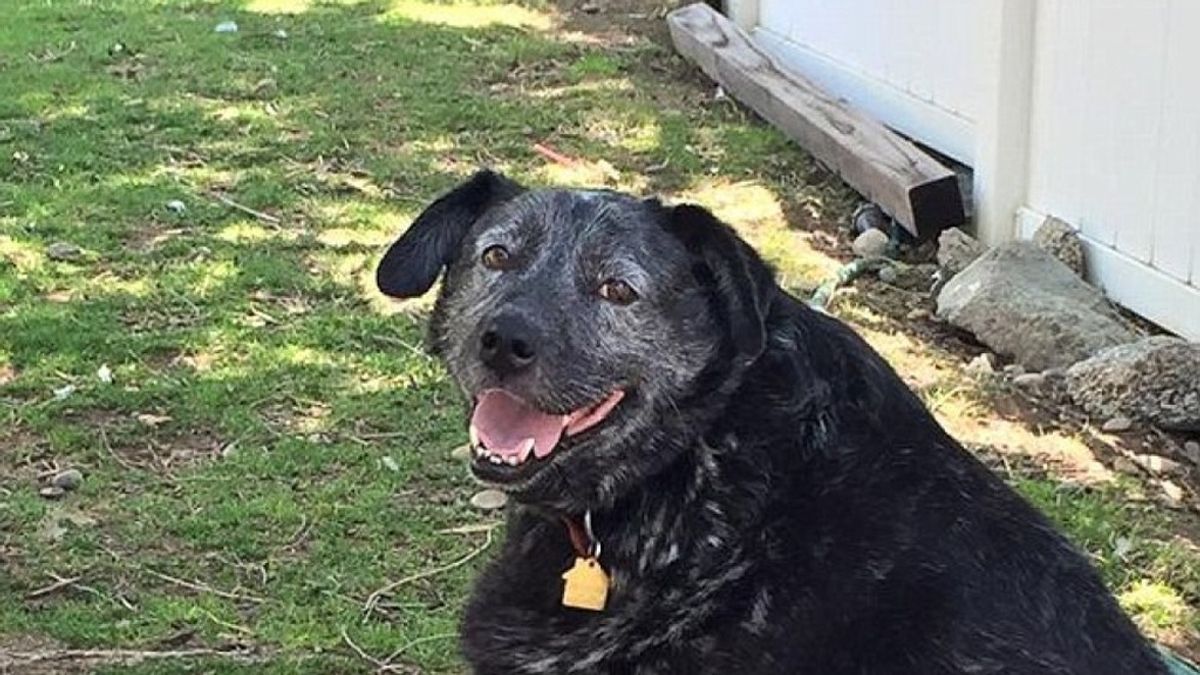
[273,447]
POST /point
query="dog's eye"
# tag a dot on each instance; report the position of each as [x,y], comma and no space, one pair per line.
[617,292]
[496,258]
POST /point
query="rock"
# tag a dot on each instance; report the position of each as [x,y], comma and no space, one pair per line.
[956,250]
[1021,301]
[1014,369]
[1191,450]
[226,27]
[1029,380]
[176,206]
[462,452]
[871,244]
[63,251]
[917,278]
[1173,492]
[1155,381]
[924,253]
[1061,241]
[67,480]
[984,364]
[868,216]
[489,500]
[1116,425]
[917,315]
[52,492]
[1124,465]
[1159,466]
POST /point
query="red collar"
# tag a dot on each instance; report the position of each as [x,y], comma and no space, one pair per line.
[578,535]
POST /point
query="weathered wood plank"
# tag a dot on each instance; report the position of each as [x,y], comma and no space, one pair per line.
[912,187]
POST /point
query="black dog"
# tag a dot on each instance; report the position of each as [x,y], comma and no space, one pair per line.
[761,490]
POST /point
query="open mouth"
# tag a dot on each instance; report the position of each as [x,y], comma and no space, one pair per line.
[509,437]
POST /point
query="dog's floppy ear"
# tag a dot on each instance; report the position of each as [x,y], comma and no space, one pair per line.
[741,280]
[413,261]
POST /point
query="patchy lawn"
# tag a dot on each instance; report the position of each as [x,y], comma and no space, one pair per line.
[263,445]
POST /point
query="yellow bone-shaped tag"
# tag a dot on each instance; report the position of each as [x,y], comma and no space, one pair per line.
[587,585]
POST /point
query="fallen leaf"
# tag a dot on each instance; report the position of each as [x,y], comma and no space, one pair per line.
[152,420]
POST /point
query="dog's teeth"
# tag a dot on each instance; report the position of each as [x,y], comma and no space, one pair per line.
[495,459]
[526,448]
[510,460]
[473,434]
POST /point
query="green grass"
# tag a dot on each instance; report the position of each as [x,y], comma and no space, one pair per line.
[271,432]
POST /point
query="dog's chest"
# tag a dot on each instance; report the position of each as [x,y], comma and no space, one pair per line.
[655,618]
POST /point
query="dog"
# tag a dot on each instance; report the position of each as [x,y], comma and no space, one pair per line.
[708,476]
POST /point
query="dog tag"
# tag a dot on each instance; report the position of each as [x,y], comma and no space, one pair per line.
[587,585]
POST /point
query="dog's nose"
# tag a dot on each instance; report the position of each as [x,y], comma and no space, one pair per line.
[508,346]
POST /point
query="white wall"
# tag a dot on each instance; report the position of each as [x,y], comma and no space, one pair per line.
[913,58]
[1115,144]
[1088,110]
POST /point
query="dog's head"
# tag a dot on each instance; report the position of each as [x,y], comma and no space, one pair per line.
[586,327]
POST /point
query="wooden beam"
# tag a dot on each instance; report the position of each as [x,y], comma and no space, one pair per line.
[912,187]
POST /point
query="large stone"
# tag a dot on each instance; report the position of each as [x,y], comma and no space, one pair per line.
[956,250]
[1023,302]
[1061,241]
[1155,380]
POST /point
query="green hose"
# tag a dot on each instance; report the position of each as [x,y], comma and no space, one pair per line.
[845,274]
[1176,664]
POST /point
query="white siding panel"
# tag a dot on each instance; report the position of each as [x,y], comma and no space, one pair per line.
[1133,99]
[1113,115]
[915,58]
[1115,131]
[1176,226]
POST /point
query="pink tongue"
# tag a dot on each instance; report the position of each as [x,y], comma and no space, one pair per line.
[504,422]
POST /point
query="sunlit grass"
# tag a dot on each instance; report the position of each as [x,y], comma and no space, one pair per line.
[279,6]
[467,15]
[1156,606]
[22,255]
[258,377]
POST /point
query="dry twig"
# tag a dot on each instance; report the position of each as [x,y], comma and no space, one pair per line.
[265,217]
[108,446]
[58,585]
[414,642]
[122,656]
[374,598]
[378,663]
[204,588]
